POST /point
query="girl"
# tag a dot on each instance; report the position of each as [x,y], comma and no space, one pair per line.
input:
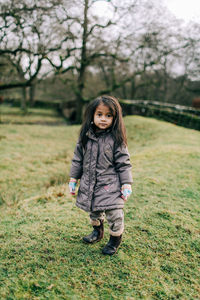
[101,162]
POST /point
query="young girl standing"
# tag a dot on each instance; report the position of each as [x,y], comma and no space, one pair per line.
[101,162]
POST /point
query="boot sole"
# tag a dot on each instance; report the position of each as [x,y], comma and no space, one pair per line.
[113,253]
[86,242]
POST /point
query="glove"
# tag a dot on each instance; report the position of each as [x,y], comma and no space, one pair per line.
[72,186]
[126,191]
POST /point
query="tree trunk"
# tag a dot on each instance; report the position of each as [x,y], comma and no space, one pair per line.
[24,100]
[124,93]
[32,95]
[79,110]
[132,89]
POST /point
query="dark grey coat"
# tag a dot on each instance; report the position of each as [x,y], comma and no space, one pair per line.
[102,167]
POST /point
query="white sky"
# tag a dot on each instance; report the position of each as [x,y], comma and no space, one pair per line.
[188,10]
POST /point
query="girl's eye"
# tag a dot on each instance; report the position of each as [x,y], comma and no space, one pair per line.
[109,116]
[98,114]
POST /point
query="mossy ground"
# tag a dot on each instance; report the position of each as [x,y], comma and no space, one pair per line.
[41,252]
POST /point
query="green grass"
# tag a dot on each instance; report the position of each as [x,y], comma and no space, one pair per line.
[41,252]
[14,115]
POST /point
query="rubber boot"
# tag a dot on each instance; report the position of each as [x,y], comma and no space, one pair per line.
[96,235]
[112,245]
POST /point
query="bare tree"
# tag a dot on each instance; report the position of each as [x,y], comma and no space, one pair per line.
[28,36]
[91,46]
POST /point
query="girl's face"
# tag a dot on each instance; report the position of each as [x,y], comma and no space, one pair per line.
[103,117]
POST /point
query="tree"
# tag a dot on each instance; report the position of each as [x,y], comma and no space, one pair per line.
[92,46]
[28,31]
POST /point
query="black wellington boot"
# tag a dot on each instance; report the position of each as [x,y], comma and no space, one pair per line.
[96,235]
[112,245]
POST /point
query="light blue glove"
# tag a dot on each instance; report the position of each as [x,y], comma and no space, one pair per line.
[72,186]
[126,191]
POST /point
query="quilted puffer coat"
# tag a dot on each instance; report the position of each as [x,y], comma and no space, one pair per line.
[102,167]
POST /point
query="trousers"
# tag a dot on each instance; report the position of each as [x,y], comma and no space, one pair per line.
[114,217]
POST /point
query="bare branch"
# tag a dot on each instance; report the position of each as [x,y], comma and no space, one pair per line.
[100,26]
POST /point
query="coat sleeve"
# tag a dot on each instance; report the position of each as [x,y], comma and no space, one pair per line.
[77,162]
[123,165]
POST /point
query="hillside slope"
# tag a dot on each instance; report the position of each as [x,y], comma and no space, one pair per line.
[42,255]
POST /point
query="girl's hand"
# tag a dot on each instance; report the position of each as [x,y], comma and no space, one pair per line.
[126,191]
[72,186]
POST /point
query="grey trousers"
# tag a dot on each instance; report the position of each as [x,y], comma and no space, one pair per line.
[115,219]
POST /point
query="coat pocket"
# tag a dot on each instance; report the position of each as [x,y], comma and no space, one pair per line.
[107,184]
[83,188]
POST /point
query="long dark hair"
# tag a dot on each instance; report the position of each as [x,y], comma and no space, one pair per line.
[118,129]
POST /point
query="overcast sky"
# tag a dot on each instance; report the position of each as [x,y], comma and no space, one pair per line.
[184,9]
[188,10]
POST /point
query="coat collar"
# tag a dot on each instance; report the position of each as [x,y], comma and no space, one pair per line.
[94,136]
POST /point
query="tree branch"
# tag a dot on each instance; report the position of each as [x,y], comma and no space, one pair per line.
[97,55]
[99,26]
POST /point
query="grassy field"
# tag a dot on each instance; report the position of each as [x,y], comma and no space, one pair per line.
[13,115]
[41,252]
